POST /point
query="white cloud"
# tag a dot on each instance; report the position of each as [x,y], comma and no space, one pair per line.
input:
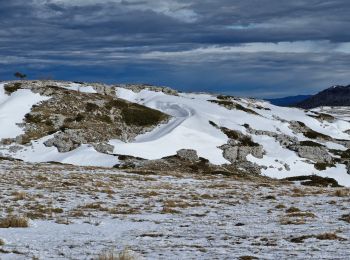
[171,8]
[216,52]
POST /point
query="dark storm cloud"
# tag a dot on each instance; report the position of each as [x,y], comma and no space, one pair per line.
[191,45]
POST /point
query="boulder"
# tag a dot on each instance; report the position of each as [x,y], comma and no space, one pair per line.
[188,154]
[103,148]
[239,153]
[315,153]
[66,141]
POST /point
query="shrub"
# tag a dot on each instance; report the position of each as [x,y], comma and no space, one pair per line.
[247,141]
[48,122]
[10,88]
[322,166]
[225,97]
[244,140]
[310,143]
[90,107]
[231,105]
[250,111]
[314,180]
[324,117]
[213,124]
[79,118]
[20,75]
[247,257]
[345,154]
[301,124]
[32,118]
[116,103]
[222,102]
[314,135]
[141,116]
[106,119]
[232,134]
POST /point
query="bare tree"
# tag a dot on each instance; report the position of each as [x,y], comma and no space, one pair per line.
[20,75]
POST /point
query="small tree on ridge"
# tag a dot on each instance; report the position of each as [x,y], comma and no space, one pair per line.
[20,75]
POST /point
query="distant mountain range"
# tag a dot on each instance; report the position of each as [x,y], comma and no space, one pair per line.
[333,96]
[288,101]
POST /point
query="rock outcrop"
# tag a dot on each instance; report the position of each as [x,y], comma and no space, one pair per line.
[315,153]
[75,116]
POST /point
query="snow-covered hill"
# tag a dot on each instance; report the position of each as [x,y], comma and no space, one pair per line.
[280,142]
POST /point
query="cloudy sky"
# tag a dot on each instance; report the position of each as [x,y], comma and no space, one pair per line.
[261,48]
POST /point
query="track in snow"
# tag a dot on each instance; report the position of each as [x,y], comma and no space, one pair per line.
[179,112]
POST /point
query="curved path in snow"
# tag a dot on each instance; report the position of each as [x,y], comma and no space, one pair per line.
[179,112]
[188,129]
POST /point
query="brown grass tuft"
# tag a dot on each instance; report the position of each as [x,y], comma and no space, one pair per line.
[112,255]
[19,195]
[341,193]
[14,222]
[292,210]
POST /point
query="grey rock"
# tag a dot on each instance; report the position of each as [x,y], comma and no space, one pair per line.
[66,141]
[7,141]
[15,148]
[103,148]
[287,167]
[315,153]
[283,139]
[239,153]
[188,154]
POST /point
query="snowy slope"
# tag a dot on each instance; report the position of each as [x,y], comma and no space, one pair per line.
[189,128]
[13,108]
[84,155]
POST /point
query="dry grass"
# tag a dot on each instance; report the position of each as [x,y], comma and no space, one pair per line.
[302,214]
[247,257]
[329,236]
[342,193]
[169,210]
[19,195]
[345,217]
[292,210]
[292,221]
[112,255]
[14,222]
[2,242]
[295,216]
[323,236]
[280,206]
[192,202]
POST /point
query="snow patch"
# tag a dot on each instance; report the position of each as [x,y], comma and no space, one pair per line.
[85,155]
[13,109]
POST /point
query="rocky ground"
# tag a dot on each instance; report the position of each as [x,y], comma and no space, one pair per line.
[53,211]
